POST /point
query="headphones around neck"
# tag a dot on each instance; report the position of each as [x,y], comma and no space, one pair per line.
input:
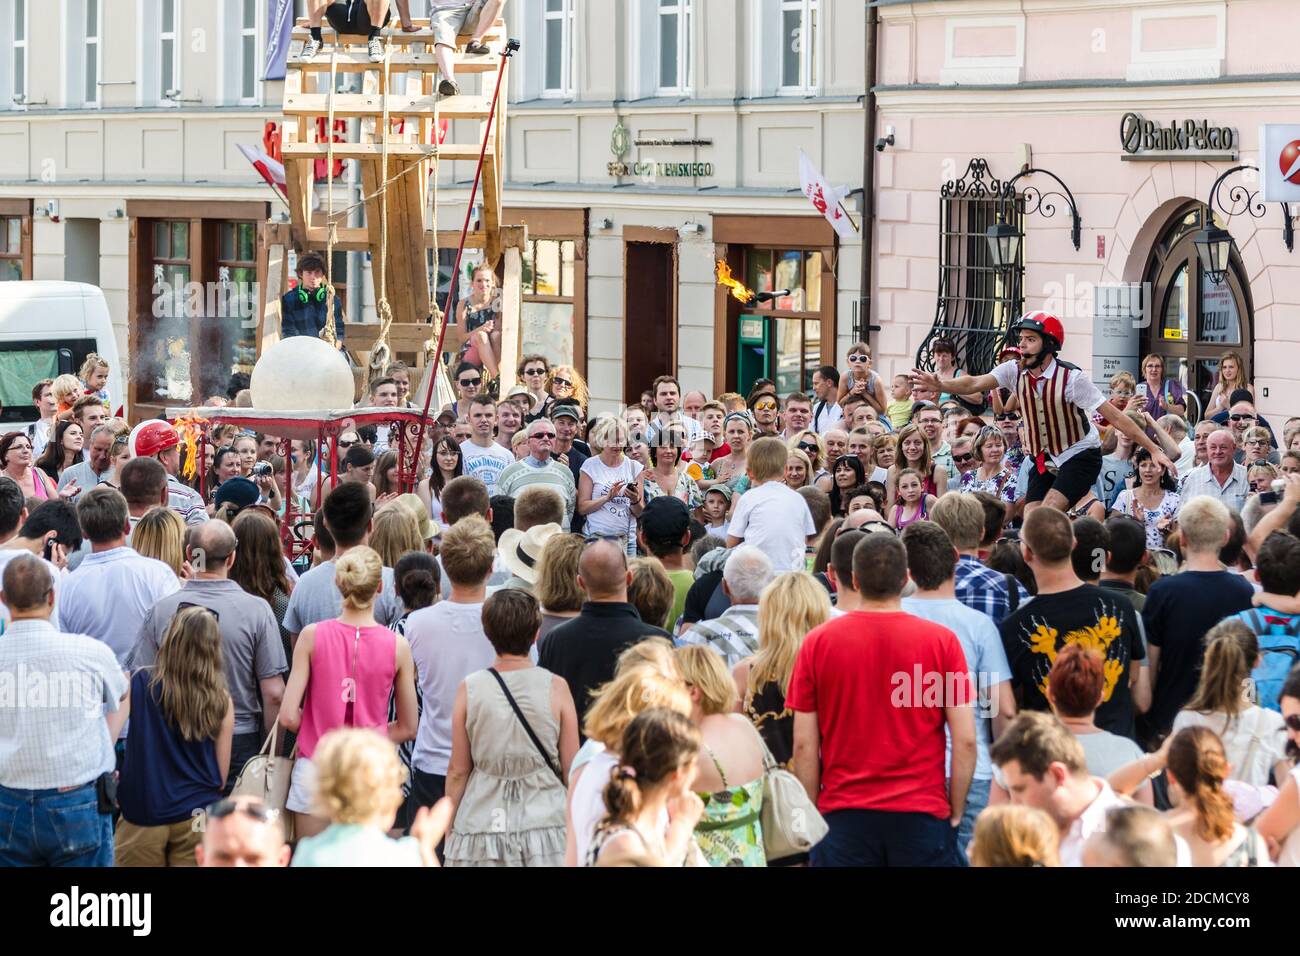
[305,296]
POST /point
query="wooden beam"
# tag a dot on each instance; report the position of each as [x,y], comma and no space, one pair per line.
[464,152]
[357,61]
[347,105]
[357,238]
[398,38]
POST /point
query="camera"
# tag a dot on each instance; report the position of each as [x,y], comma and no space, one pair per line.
[1273,497]
[262,470]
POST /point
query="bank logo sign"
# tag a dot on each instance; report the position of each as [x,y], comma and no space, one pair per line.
[1279,162]
[620,141]
[1191,139]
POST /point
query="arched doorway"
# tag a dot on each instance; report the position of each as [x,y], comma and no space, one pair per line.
[1194,321]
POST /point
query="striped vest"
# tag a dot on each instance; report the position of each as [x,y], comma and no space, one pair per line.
[1052,422]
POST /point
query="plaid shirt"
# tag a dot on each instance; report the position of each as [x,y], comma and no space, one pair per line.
[985,590]
[734,635]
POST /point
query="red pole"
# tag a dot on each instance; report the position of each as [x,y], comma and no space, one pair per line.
[506,53]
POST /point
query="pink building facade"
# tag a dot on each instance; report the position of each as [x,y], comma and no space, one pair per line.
[1066,86]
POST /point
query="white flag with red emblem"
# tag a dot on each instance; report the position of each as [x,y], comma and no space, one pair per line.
[827,200]
[270,170]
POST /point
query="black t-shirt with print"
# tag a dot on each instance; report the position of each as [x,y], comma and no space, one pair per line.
[1086,615]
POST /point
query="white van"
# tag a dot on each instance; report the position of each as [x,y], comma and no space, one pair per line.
[47,329]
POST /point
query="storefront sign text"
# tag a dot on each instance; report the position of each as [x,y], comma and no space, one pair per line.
[1191,139]
[660,169]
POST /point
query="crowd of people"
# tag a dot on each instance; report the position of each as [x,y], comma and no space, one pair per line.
[999,619]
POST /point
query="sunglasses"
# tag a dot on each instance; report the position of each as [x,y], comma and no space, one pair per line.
[1242,418]
[546,435]
[1008,417]
[962,459]
[346,444]
[534,371]
[1293,721]
[186,604]
[808,448]
[468,382]
[224,808]
[859,357]
[562,382]
[621,539]
[765,406]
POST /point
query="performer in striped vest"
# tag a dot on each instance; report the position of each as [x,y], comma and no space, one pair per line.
[1057,400]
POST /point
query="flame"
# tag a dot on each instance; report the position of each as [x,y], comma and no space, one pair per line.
[191,430]
[738,290]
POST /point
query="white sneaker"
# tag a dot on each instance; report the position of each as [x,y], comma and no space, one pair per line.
[375,47]
[310,49]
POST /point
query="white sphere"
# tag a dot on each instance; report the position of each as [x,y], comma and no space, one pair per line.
[301,373]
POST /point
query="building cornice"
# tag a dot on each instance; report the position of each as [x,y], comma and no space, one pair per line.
[1105,96]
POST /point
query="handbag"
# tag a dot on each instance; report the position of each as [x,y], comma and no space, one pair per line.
[527,727]
[267,776]
[790,821]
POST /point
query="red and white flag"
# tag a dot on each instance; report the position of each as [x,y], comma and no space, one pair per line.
[827,199]
[270,170]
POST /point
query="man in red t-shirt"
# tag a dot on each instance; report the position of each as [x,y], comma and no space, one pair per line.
[873,692]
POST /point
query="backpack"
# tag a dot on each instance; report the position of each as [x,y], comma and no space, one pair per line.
[1279,650]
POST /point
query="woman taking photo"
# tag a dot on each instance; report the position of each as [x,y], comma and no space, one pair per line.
[514,732]
[667,475]
[1158,395]
[1252,737]
[1230,377]
[610,484]
[1153,500]
[861,380]
[352,651]
[16,457]
[62,451]
[245,446]
[912,450]
[178,750]
[448,463]
[738,429]
[730,779]
[651,810]
[991,474]
[1202,811]
[790,607]
[847,473]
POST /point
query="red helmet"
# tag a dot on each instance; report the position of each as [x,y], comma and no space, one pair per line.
[1046,325]
[151,437]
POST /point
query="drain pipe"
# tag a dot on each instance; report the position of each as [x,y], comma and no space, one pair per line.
[868,179]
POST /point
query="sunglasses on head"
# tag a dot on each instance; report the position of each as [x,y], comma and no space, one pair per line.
[257,810]
[467,382]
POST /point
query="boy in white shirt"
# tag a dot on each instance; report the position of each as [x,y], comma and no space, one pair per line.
[772,516]
[716,502]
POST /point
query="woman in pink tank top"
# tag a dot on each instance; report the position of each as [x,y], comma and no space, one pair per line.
[343,673]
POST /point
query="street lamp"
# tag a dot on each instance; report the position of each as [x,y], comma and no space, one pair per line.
[1004,246]
[1213,248]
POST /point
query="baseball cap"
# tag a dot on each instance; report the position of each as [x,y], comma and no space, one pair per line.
[665,517]
[724,490]
[570,411]
[239,492]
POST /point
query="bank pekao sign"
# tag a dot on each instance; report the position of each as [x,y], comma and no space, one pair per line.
[620,141]
[1188,140]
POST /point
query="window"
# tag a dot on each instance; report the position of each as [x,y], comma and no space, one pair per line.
[550,288]
[90,94]
[674,46]
[20,49]
[557,38]
[164,366]
[249,67]
[798,45]
[237,280]
[169,73]
[11,248]
[796,320]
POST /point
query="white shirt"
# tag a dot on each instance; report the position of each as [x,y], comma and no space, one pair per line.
[58,576]
[1253,741]
[39,433]
[775,519]
[485,464]
[448,644]
[1079,389]
[111,593]
[693,428]
[1093,820]
[1186,457]
[826,415]
[615,515]
[57,738]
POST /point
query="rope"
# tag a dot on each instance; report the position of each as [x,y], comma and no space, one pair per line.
[436,316]
[379,354]
[330,333]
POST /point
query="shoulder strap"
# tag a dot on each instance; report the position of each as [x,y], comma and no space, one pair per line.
[1254,620]
[1013,592]
[524,721]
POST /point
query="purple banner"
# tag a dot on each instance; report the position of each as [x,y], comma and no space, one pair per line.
[278,31]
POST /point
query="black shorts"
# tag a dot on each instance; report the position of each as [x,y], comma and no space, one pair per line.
[351,17]
[1074,479]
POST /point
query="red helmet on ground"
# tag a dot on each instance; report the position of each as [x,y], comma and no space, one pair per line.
[151,437]
[1046,325]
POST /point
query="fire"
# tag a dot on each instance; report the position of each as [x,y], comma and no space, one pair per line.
[738,290]
[191,430]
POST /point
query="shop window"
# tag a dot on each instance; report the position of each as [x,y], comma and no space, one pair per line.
[795,329]
[11,248]
[550,290]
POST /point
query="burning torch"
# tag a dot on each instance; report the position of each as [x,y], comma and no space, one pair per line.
[740,293]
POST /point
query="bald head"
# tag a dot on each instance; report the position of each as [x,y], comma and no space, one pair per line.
[860,517]
[210,547]
[27,587]
[602,571]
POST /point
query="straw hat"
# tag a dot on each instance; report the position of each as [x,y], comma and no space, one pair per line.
[521,550]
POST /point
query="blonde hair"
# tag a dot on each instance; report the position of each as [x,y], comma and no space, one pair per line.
[357,575]
[796,454]
[703,669]
[791,606]
[651,591]
[607,430]
[1122,378]
[635,688]
[93,361]
[656,652]
[396,532]
[571,373]
[161,534]
[67,389]
[557,587]
[468,550]
[1204,523]
[765,459]
[359,777]
[1014,835]
[190,675]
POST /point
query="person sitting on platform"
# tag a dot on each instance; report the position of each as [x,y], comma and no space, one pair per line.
[302,309]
